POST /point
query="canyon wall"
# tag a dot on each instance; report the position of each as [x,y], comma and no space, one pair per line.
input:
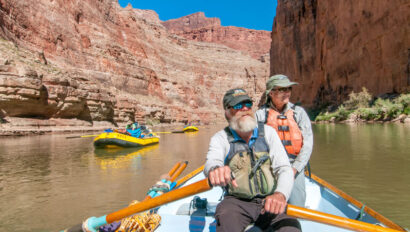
[200,28]
[334,47]
[93,61]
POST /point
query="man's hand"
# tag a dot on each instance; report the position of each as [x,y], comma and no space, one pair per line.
[275,203]
[221,177]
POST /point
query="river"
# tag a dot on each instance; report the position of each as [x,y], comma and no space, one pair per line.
[48,182]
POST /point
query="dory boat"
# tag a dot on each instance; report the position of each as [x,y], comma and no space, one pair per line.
[196,213]
[115,140]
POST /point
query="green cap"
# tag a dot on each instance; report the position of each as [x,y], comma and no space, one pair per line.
[235,96]
[278,80]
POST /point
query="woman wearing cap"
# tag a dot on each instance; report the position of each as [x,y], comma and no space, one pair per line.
[293,127]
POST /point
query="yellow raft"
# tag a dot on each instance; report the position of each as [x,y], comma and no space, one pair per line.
[114,140]
[190,129]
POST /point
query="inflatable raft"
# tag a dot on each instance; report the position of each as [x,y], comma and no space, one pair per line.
[190,129]
[114,139]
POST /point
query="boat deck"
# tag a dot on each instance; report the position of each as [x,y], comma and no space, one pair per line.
[181,216]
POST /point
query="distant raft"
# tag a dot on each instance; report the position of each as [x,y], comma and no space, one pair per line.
[190,129]
[114,140]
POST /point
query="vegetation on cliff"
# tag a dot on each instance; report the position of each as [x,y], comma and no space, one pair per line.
[363,107]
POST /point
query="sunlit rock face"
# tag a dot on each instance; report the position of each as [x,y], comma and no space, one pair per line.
[197,27]
[95,61]
[334,47]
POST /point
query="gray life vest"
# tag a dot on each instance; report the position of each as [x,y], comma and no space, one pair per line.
[251,166]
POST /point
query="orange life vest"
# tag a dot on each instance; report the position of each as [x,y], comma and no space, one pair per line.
[288,130]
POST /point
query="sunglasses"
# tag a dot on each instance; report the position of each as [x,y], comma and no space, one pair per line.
[282,90]
[239,106]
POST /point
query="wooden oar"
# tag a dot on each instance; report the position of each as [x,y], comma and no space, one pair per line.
[167,132]
[333,220]
[189,176]
[93,223]
[172,171]
[80,136]
[181,168]
[179,171]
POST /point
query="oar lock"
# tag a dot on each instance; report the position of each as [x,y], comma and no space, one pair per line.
[159,187]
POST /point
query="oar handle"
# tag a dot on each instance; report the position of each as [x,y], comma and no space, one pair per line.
[93,223]
[179,171]
[172,171]
[197,187]
[189,176]
[330,219]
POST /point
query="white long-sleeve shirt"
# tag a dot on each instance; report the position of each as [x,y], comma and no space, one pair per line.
[219,148]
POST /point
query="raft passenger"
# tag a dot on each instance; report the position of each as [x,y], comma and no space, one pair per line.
[248,160]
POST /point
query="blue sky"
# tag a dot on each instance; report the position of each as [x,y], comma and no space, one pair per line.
[240,13]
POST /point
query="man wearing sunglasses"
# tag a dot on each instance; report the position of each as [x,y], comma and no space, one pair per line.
[248,160]
[293,127]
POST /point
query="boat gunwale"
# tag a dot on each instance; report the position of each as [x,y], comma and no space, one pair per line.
[355,202]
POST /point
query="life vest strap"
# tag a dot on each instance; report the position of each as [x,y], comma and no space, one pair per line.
[283,128]
[258,164]
[287,143]
[292,156]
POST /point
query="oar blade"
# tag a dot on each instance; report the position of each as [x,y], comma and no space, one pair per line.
[72,137]
[178,131]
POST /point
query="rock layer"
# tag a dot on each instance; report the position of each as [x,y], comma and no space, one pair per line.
[335,47]
[200,28]
[95,61]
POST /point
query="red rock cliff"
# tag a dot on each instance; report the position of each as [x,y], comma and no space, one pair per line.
[95,61]
[200,28]
[334,47]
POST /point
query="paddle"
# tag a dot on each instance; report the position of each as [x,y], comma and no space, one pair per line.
[93,223]
[203,185]
[167,132]
[334,220]
[171,183]
[189,176]
[173,169]
[80,136]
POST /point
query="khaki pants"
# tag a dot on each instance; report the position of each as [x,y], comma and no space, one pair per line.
[234,215]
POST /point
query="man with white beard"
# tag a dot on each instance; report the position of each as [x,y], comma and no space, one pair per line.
[250,163]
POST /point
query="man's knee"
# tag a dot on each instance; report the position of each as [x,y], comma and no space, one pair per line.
[287,225]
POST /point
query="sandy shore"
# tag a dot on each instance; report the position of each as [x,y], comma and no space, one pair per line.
[29,126]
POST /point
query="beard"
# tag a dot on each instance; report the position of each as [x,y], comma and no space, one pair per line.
[243,122]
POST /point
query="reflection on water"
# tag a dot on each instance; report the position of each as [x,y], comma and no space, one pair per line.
[48,183]
[121,157]
[369,162]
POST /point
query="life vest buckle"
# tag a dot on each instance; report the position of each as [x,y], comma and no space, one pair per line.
[258,164]
[281,116]
[283,128]
[286,142]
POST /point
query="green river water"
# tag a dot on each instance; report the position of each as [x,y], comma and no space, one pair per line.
[48,182]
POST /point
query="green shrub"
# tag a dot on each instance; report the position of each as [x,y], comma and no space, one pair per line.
[358,104]
[367,113]
[406,111]
[358,100]
[387,109]
[403,99]
[342,113]
[325,116]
